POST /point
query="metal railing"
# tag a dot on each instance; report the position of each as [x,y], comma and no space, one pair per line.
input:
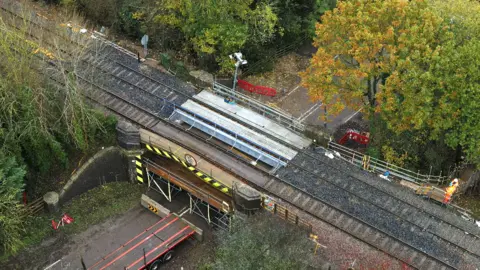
[379,166]
[281,117]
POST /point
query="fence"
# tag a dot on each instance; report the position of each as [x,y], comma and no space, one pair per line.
[261,90]
[284,213]
[35,207]
[379,166]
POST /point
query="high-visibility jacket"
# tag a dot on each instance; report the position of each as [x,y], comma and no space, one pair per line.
[447,197]
[451,189]
[448,193]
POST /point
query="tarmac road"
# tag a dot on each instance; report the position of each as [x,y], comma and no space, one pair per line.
[99,240]
[298,103]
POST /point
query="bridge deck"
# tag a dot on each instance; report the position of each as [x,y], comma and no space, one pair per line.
[239,129]
[184,179]
[257,120]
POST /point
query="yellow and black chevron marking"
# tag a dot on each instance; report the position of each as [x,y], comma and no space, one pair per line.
[139,168]
[205,177]
[153,208]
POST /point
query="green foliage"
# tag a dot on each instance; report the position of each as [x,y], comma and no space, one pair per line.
[11,221]
[319,8]
[41,124]
[39,228]
[104,12]
[418,151]
[130,19]
[257,28]
[210,30]
[217,27]
[412,63]
[69,4]
[253,244]
[88,209]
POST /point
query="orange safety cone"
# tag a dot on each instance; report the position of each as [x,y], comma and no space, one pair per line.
[54,225]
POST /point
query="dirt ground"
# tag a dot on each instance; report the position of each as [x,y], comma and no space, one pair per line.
[342,250]
[194,256]
[284,77]
[293,98]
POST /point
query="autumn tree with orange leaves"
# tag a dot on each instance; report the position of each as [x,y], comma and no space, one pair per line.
[409,63]
[360,43]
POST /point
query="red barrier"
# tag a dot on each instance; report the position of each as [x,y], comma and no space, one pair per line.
[262,90]
[360,137]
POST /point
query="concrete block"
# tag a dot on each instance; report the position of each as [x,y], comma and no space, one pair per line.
[52,199]
[154,206]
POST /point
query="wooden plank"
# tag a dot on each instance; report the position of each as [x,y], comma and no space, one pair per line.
[409,184]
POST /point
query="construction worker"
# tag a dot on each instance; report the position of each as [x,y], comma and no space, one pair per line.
[450,190]
[454,182]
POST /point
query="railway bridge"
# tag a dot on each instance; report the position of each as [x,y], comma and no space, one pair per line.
[229,143]
[193,140]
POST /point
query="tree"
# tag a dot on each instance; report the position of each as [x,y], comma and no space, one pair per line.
[11,221]
[219,28]
[104,12]
[439,93]
[253,244]
[40,121]
[360,43]
[410,62]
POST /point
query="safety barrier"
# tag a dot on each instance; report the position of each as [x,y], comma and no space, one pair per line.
[231,138]
[171,108]
[379,166]
[280,117]
[257,89]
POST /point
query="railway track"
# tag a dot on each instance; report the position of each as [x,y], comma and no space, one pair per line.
[408,254]
[431,222]
[318,208]
[121,103]
[460,234]
[390,211]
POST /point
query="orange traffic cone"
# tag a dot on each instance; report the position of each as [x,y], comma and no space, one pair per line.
[54,224]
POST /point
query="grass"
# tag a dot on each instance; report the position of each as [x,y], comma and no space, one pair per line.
[90,208]
[101,203]
[470,202]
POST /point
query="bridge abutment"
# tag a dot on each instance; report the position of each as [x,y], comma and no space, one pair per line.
[128,137]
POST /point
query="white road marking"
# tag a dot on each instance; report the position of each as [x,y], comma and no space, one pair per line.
[51,265]
[294,89]
[309,112]
[351,116]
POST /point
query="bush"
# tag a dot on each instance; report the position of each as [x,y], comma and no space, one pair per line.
[253,244]
[11,212]
[103,12]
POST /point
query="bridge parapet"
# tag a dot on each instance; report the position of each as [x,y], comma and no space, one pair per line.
[128,135]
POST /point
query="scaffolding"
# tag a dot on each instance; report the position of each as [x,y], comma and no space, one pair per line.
[216,217]
[153,184]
